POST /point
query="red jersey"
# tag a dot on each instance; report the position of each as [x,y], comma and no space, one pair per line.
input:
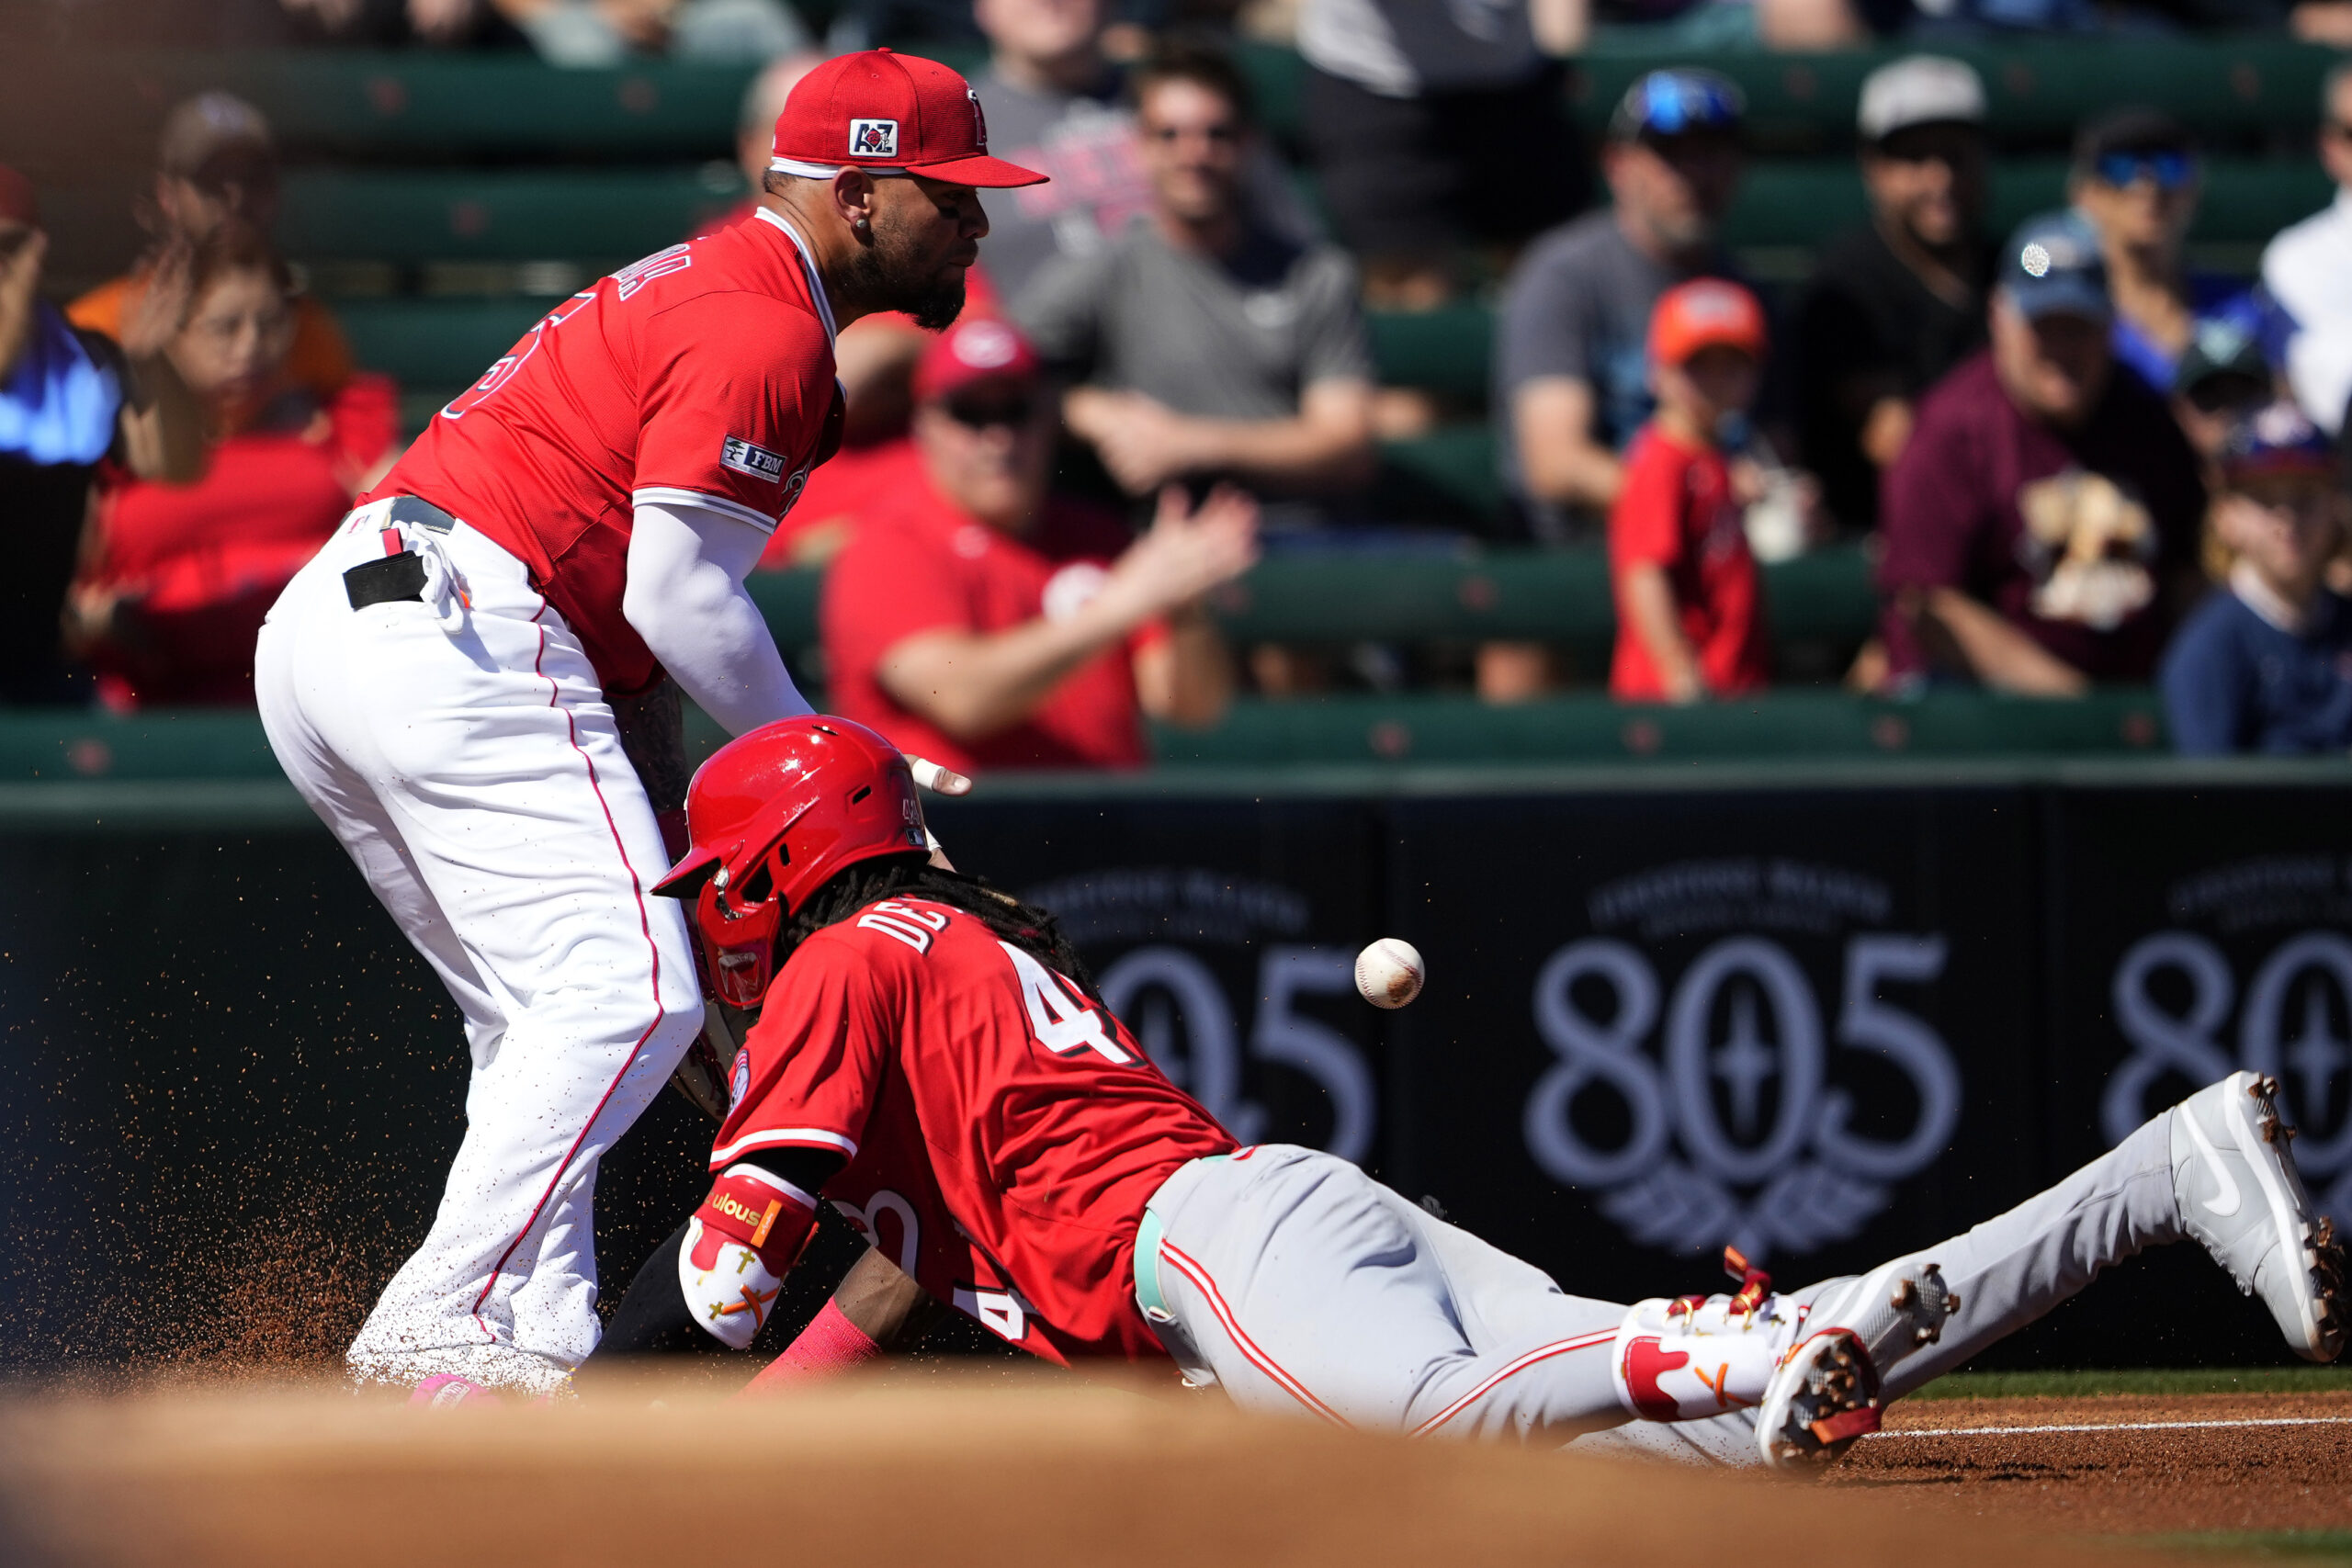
[1677,513]
[205,559]
[919,563]
[840,496]
[1004,1131]
[702,374]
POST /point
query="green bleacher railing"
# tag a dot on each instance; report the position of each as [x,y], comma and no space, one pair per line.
[1592,729]
[45,748]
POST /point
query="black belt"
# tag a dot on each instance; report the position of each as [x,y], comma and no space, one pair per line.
[398,573]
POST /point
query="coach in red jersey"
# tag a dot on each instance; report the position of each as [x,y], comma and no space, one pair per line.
[467,683]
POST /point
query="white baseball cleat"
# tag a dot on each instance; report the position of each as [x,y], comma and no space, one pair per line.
[1830,1388]
[1689,1357]
[2233,1178]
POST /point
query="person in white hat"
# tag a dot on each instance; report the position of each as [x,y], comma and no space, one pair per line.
[1894,304]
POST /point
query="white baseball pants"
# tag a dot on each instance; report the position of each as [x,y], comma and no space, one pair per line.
[1299,1284]
[466,758]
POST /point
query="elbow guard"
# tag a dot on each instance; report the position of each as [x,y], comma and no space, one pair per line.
[739,1244]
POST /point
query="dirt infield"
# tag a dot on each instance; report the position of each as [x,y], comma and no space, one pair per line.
[1020,1472]
[2152,1465]
[1005,1468]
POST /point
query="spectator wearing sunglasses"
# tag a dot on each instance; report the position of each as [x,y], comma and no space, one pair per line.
[2305,270]
[2137,177]
[1899,301]
[1207,344]
[994,625]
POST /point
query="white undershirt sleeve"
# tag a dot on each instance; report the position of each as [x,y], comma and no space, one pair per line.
[685,597]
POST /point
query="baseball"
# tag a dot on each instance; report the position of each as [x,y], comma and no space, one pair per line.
[1389,973]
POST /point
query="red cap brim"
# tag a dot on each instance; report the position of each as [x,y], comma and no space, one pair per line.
[989,173]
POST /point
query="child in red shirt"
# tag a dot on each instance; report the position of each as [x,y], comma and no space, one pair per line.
[1690,623]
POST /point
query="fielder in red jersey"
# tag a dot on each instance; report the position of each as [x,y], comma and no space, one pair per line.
[701,376]
[466,682]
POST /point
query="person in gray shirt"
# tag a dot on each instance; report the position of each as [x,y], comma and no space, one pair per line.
[1571,376]
[1051,97]
[1207,344]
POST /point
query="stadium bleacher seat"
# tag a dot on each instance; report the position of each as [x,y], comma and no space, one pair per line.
[420,102]
[50,747]
[1591,728]
[606,218]
[1461,593]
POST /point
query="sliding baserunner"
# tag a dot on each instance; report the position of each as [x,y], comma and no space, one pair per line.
[932,1060]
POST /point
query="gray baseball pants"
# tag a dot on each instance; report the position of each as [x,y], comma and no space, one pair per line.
[1297,1283]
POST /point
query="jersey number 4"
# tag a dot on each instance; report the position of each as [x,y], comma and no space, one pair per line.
[1062,1023]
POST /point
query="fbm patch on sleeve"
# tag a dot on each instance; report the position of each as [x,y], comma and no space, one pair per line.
[757,461]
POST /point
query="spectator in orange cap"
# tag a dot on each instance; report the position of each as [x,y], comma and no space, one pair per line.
[216,162]
[1001,626]
[1690,623]
[177,576]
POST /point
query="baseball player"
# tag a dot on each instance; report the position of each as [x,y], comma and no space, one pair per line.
[931,1059]
[468,683]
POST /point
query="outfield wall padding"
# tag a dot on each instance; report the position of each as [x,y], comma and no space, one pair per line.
[1823,1017]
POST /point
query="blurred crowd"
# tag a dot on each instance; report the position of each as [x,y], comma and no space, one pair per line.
[2072,458]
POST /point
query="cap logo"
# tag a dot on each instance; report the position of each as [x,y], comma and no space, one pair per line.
[874,138]
[986,345]
[2035,259]
[979,122]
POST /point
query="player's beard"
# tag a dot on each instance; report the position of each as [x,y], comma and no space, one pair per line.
[892,277]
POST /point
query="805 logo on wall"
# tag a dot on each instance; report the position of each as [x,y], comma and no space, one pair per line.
[1216,949]
[1737,1072]
[2255,972]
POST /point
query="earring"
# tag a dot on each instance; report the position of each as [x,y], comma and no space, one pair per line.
[859,224]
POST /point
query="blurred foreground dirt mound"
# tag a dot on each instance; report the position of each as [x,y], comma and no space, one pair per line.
[997,1473]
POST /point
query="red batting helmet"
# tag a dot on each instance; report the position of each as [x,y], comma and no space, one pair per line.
[770,818]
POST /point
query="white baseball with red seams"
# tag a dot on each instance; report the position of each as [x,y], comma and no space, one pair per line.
[1389,973]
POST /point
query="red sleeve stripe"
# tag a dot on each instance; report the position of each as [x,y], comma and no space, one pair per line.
[783,1137]
[1540,1353]
[1241,1340]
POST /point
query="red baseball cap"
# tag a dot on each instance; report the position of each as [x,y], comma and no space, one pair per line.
[1705,313]
[893,114]
[978,348]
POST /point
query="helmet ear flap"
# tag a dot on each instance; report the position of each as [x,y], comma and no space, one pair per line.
[738,919]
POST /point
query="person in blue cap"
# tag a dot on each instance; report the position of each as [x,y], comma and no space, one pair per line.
[1571,367]
[2041,524]
[1572,378]
[2266,663]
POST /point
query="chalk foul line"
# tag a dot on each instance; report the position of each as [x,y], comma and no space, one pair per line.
[2114,1427]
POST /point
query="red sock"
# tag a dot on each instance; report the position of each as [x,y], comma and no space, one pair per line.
[829,1346]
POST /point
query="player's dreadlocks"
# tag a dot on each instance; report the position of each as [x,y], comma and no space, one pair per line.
[913,876]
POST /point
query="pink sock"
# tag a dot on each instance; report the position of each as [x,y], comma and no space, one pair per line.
[829,1346]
